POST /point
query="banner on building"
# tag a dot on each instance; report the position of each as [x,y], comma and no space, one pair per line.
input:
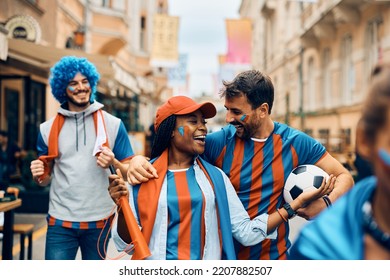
[239,41]
[165,41]
[177,76]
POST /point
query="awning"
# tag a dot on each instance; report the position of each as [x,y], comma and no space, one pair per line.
[45,57]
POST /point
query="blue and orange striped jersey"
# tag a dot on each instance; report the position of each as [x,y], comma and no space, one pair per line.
[258,171]
[185,239]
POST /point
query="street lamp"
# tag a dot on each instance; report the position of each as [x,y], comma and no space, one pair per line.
[79,35]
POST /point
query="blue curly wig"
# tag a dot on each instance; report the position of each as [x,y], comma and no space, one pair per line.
[65,70]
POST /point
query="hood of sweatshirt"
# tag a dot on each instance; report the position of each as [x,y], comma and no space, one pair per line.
[79,121]
[88,111]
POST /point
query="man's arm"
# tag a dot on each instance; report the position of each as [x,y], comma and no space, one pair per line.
[140,170]
[122,166]
[37,168]
[106,158]
[344,182]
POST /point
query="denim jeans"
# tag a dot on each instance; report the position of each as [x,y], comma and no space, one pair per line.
[63,243]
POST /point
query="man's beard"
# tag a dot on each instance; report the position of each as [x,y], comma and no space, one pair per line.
[384,157]
[246,133]
[78,104]
[248,129]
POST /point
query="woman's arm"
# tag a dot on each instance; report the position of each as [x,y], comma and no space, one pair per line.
[117,189]
[250,232]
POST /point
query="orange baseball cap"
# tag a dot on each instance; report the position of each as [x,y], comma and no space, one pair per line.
[183,105]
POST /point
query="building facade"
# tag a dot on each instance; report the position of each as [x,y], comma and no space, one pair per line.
[115,35]
[320,55]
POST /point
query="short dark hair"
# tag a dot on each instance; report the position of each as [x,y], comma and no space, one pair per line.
[256,86]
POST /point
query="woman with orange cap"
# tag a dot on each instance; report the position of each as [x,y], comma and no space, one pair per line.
[191,211]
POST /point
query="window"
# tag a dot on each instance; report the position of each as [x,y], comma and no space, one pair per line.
[119,5]
[160,7]
[372,46]
[311,86]
[106,3]
[142,39]
[308,131]
[345,134]
[12,112]
[270,37]
[35,103]
[287,113]
[288,21]
[299,103]
[326,79]
[347,70]
[323,137]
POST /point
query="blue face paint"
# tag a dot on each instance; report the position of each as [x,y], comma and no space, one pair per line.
[385,157]
[244,118]
[181,130]
[80,84]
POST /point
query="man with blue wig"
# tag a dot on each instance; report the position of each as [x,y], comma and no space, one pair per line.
[75,149]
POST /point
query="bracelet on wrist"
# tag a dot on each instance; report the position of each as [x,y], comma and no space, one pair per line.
[327,201]
[281,215]
[291,212]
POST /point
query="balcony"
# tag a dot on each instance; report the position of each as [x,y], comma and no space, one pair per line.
[319,20]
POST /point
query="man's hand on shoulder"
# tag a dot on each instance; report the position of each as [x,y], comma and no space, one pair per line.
[140,170]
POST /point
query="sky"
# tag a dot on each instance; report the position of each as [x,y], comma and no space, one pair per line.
[202,36]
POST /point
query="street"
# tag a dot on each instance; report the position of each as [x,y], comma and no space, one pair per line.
[39,235]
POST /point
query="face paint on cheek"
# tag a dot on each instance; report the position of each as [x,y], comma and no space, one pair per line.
[181,130]
[244,118]
[385,158]
[87,86]
[72,89]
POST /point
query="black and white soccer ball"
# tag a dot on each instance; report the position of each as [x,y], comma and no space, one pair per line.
[302,178]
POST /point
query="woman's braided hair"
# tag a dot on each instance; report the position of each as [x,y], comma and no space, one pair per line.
[163,136]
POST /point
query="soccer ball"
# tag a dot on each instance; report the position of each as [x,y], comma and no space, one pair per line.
[302,178]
